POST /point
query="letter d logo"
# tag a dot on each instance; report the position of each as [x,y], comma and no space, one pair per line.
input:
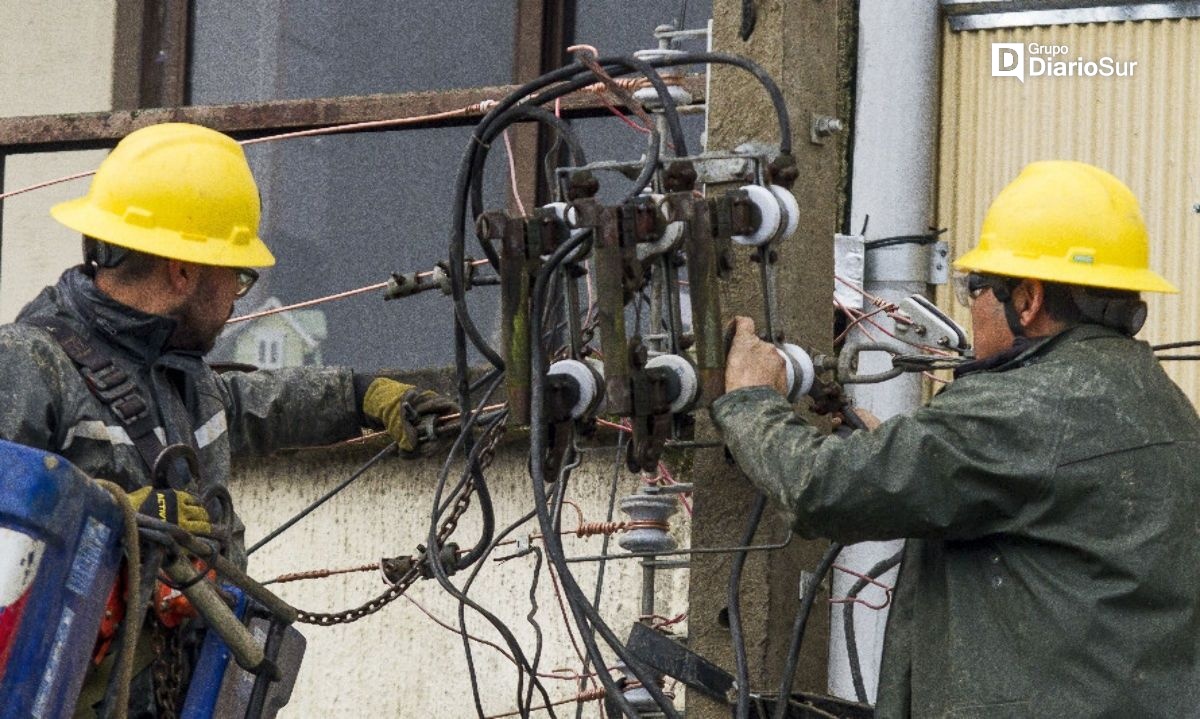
[1008,60]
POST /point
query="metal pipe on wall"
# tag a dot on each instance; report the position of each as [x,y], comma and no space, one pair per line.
[893,184]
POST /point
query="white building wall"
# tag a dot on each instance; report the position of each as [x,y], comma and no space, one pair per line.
[56,56]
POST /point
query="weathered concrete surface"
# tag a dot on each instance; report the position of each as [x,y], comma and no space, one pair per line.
[806,46]
[398,663]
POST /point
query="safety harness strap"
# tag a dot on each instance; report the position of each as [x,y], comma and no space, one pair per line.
[110,384]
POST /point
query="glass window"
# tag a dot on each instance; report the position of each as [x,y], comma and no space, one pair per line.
[345,211]
[273,50]
[619,27]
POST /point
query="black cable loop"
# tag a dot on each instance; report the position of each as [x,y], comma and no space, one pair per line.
[802,614]
[875,572]
[434,560]
[733,608]
[584,613]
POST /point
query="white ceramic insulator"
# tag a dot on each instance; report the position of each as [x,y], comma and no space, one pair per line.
[771,213]
[561,211]
[791,211]
[584,378]
[800,370]
[689,383]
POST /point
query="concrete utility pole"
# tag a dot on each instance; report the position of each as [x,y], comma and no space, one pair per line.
[808,47]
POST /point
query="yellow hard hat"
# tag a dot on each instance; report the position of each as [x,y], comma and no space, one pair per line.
[174,190]
[1067,222]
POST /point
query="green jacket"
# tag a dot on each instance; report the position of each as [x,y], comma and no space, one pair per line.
[1053,510]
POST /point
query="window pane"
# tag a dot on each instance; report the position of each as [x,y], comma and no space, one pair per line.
[270,50]
[343,212]
[619,27]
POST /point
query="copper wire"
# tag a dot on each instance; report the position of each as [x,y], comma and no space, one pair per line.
[887,590]
[320,573]
[330,298]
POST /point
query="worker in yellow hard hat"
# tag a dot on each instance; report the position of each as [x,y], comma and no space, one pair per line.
[105,367]
[1048,495]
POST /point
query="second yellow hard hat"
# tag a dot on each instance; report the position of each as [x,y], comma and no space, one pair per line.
[1069,222]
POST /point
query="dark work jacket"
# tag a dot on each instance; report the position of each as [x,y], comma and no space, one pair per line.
[1053,510]
[48,406]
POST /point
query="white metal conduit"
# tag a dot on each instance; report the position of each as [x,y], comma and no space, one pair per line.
[893,169]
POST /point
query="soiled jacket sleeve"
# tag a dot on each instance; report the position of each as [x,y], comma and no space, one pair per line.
[32,374]
[967,465]
[290,407]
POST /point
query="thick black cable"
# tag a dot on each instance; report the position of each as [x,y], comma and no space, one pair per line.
[1175,345]
[875,572]
[468,166]
[537,474]
[390,449]
[434,561]
[584,613]
[927,238]
[486,509]
[618,464]
[462,609]
[733,608]
[802,614]
[563,130]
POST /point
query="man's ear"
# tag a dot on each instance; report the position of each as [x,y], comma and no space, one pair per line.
[1029,299]
[182,277]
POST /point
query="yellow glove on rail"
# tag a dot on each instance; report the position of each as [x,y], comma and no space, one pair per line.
[172,506]
[384,402]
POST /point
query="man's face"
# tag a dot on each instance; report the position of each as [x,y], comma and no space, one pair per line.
[202,316]
[989,328]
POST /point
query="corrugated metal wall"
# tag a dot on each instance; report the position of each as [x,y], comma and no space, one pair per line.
[1145,129]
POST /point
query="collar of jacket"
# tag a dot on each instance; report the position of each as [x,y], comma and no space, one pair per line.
[142,335]
[1025,350]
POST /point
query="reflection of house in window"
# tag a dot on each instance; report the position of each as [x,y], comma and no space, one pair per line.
[288,339]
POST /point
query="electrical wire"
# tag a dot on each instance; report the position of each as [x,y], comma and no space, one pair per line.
[875,572]
[390,449]
[733,608]
[585,615]
[802,614]
[434,562]
[618,461]
[469,165]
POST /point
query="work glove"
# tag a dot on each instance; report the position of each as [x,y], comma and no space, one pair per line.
[174,507]
[399,407]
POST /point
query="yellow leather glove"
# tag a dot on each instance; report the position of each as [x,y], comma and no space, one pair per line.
[385,402]
[173,506]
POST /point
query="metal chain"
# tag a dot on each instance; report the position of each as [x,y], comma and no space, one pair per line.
[167,670]
[353,615]
[486,454]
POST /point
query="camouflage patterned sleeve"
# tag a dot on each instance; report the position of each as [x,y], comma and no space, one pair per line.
[291,407]
[922,475]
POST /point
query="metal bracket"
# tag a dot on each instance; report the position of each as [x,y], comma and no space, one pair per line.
[939,263]
[930,326]
[664,654]
[849,263]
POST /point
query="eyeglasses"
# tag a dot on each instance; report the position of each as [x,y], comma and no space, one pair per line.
[968,287]
[246,278]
